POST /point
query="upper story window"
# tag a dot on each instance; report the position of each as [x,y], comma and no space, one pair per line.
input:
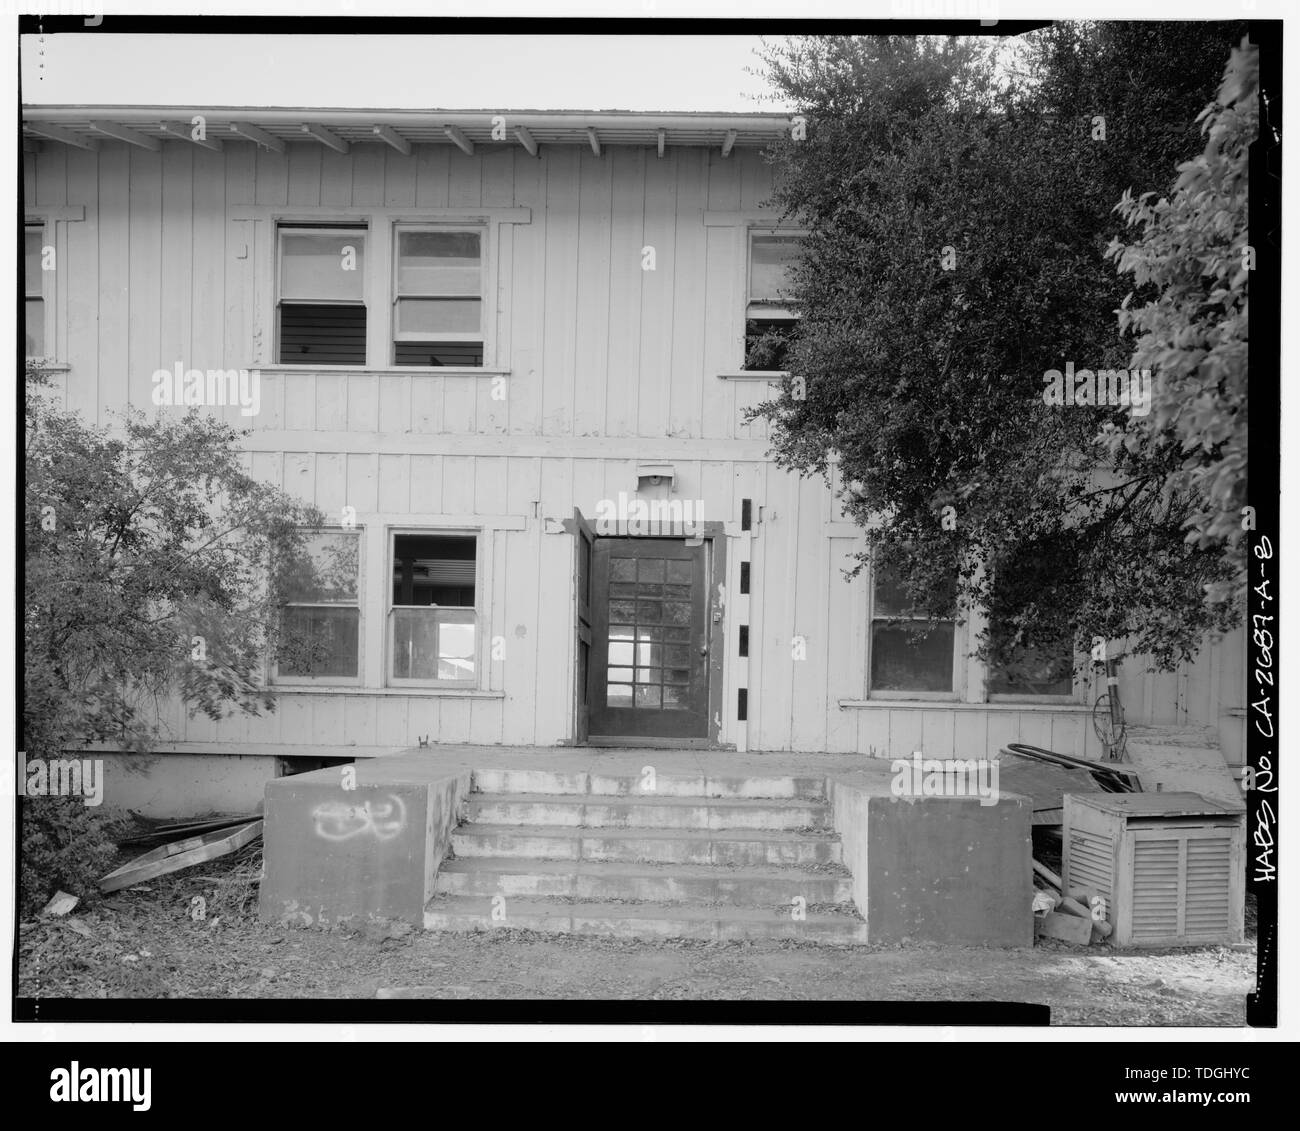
[321,295]
[768,318]
[438,296]
[34,311]
[320,628]
[906,655]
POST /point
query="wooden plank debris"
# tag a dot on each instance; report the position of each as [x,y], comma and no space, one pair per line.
[1047,874]
[181,854]
[1112,777]
[1074,905]
[60,904]
[176,830]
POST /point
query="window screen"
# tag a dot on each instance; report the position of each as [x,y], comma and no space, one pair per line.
[321,621]
[908,651]
[769,322]
[438,304]
[435,627]
[322,311]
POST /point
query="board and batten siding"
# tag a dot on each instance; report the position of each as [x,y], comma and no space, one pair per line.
[168,256]
[169,264]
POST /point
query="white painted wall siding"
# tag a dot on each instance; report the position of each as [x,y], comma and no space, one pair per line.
[607,365]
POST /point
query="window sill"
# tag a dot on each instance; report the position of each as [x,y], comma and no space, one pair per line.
[367,371]
[753,375]
[52,366]
[395,692]
[955,705]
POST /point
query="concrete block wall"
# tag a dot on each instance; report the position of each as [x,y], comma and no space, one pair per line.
[372,850]
[183,785]
[937,869]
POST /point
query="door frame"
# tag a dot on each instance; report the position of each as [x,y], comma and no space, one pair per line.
[584,544]
[714,534]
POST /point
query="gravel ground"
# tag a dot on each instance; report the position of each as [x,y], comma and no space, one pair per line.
[149,943]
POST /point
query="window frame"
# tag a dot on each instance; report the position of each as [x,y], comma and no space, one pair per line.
[970,674]
[1078,692]
[259,222]
[398,229]
[751,230]
[960,635]
[296,681]
[287,227]
[479,534]
[54,221]
[47,306]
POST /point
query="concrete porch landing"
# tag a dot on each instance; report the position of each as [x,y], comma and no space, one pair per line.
[645,843]
[629,760]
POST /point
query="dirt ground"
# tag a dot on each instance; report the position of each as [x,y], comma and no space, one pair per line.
[150,942]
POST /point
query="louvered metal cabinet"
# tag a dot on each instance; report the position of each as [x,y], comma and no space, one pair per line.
[1171,866]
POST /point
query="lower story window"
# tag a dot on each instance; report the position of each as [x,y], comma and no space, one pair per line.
[434,635]
[320,625]
[902,661]
[1021,667]
[909,652]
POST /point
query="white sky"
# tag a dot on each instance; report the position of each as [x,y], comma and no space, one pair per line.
[544,72]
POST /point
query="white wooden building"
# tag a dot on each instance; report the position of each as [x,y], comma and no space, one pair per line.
[484,342]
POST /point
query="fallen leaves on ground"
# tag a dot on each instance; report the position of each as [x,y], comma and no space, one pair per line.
[151,942]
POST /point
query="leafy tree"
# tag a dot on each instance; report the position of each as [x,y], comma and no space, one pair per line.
[1194,248]
[155,566]
[958,218]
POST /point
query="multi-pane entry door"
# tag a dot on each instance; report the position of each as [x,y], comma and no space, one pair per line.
[649,664]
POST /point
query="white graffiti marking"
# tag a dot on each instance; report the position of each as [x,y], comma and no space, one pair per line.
[338,820]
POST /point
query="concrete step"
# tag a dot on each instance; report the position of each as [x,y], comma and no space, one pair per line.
[644,811]
[643,920]
[679,883]
[610,784]
[740,847]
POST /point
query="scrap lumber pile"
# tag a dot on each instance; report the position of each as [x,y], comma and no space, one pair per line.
[1111,777]
[1046,777]
[1077,916]
[1080,915]
[187,843]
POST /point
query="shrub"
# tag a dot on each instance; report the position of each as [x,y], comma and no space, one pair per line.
[66,846]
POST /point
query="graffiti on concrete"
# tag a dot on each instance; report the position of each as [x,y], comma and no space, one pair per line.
[341,820]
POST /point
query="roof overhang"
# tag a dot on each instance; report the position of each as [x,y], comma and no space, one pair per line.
[148,127]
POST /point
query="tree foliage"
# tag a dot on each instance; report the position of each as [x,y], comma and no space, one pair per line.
[155,565]
[1194,249]
[66,846]
[958,221]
